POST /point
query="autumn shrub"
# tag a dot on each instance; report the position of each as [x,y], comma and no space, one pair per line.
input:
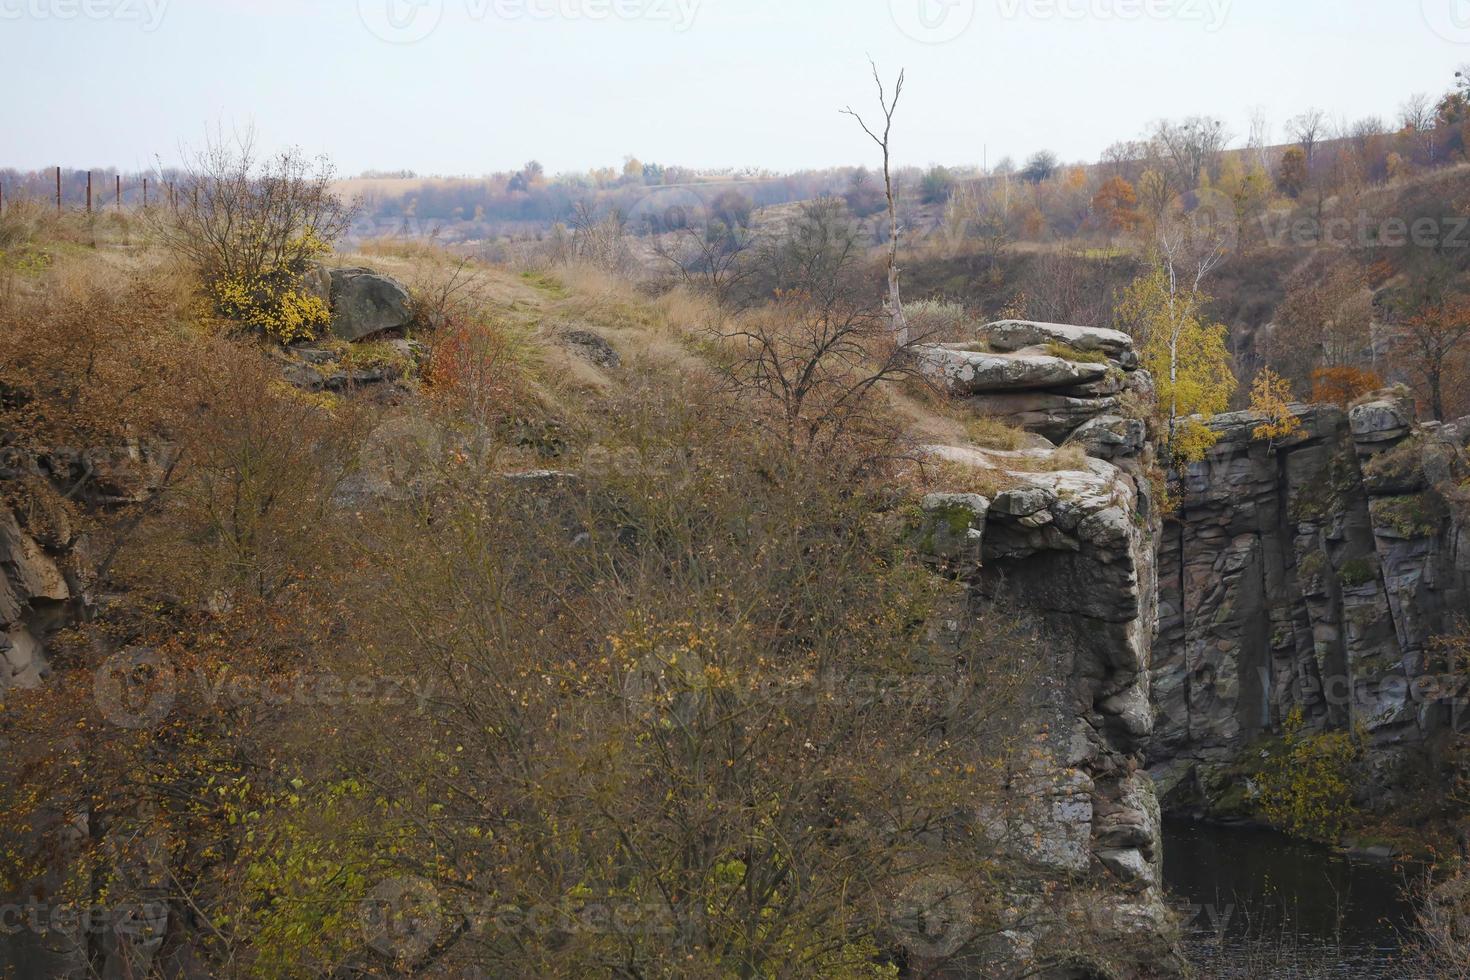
[86,362]
[255,482]
[697,689]
[478,375]
[251,229]
[939,321]
[1441,942]
[1341,386]
[1272,400]
[1306,783]
[202,493]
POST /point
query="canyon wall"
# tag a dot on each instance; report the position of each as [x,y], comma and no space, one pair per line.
[1070,537]
[1311,575]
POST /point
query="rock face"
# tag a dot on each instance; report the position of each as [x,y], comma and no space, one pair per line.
[32,594]
[366,303]
[1073,542]
[1049,378]
[1311,575]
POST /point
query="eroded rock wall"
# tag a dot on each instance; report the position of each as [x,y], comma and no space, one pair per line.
[1074,543]
[1313,574]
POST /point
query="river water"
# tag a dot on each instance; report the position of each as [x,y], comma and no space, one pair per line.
[1260,905]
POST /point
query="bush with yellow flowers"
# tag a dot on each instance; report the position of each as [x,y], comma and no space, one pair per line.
[275,302]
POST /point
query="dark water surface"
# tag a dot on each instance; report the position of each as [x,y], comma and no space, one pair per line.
[1258,904]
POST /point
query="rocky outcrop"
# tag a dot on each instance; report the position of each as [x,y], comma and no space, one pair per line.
[1312,574]
[1072,539]
[316,368]
[1075,547]
[33,594]
[1049,378]
[365,303]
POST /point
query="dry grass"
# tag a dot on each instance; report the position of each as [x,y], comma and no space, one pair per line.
[939,322]
[990,433]
[943,476]
[1067,352]
[1067,459]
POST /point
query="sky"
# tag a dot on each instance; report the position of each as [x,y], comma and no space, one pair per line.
[456,87]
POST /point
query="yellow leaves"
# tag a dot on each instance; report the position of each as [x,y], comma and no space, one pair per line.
[1306,784]
[1192,440]
[1271,397]
[274,303]
[1188,357]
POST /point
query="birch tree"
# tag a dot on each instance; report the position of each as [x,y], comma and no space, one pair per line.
[1188,355]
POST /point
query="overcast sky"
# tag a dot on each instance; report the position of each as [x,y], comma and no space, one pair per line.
[474,86]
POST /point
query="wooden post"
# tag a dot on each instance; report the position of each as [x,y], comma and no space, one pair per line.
[89,192]
[145,193]
[58,190]
[119,191]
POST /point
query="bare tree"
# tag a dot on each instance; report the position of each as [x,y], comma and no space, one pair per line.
[1416,116]
[603,240]
[898,323]
[709,256]
[1190,148]
[1309,129]
[813,362]
[1260,137]
[1417,112]
[1428,343]
[236,216]
[816,365]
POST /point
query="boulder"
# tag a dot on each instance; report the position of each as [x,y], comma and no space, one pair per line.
[1111,437]
[27,573]
[317,282]
[365,303]
[1387,418]
[1014,335]
[973,372]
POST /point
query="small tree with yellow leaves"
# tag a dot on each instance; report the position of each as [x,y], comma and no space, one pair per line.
[1187,356]
[1271,398]
[251,228]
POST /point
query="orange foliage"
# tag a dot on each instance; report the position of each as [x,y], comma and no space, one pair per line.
[1342,385]
[1116,204]
[1293,174]
[476,370]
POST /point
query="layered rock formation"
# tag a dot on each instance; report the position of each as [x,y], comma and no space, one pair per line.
[1049,378]
[1075,543]
[1313,574]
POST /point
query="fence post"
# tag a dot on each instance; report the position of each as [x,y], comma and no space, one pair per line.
[145,193]
[58,190]
[89,192]
[119,191]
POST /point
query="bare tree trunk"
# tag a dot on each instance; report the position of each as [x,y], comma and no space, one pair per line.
[898,322]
